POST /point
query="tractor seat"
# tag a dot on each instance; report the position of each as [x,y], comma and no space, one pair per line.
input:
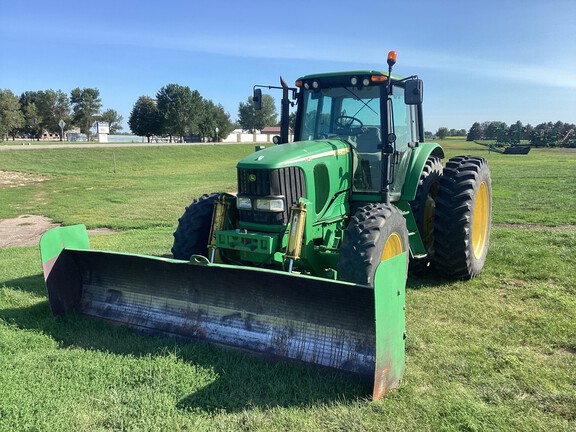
[369,140]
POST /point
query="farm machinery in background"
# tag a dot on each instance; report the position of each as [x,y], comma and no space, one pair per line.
[309,260]
[519,150]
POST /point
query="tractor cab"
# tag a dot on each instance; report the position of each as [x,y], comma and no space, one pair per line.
[352,106]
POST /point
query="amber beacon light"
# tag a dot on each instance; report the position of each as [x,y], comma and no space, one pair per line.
[391,58]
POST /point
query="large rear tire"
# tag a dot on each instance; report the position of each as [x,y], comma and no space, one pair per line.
[375,233]
[191,235]
[463,217]
[424,210]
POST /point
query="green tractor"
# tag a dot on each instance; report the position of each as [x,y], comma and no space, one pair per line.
[309,260]
[357,186]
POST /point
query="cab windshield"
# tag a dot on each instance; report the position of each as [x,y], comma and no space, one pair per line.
[343,112]
[351,114]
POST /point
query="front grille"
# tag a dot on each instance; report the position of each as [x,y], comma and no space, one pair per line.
[282,182]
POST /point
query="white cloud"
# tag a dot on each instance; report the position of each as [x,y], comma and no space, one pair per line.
[541,75]
[318,50]
[330,49]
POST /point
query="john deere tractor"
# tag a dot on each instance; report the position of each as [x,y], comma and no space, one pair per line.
[309,259]
[357,186]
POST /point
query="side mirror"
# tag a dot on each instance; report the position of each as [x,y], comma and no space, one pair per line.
[413,92]
[257,99]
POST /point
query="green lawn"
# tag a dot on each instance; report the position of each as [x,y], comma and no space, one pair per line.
[495,353]
[150,188]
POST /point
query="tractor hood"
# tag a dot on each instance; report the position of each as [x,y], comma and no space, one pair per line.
[296,154]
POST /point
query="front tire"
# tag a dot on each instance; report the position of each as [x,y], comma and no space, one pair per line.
[463,217]
[375,233]
[191,235]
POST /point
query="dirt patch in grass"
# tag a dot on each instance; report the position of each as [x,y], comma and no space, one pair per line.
[26,230]
[12,179]
[562,352]
[514,283]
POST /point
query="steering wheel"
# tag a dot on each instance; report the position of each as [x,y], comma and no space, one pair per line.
[348,125]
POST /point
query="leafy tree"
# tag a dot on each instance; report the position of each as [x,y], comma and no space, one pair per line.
[457,132]
[514,134]
[32,121]
[113,118]
[145,118]
[251,119]
[86,104]
[502,134]
[53,106]
[527,132]
[494,130]
[11,118]
[541,135]
[484,130]
[558,131]
[214,116]
[207,123]
[180,110]
[27,98]
[442,133]
[224,122]
[43,110]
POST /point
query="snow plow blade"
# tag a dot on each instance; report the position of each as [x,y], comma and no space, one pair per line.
[345,326]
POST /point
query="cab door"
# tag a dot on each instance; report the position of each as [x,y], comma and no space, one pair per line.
[405,128]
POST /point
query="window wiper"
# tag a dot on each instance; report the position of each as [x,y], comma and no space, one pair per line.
[366,105]
[361,100]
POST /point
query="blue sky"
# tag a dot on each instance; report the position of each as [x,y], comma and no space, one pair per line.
[487,60]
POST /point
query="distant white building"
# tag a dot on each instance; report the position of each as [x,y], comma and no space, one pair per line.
[265,135]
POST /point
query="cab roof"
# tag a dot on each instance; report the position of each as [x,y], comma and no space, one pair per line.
[358,73]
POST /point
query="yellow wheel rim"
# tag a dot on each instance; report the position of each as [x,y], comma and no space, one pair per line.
[428,222]
[392,247]
[480,220]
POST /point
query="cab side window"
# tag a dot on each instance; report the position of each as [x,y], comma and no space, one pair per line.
[404,120]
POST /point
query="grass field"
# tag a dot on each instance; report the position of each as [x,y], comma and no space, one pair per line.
[33,142]
[495,353]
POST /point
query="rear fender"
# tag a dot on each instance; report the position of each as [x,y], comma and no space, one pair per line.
[417,162]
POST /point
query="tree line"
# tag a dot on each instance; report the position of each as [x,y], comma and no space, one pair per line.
[179,112]
[176,112]
[548,134]
[34,113]
[444,132]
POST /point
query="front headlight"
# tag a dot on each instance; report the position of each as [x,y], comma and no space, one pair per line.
[267,204]
[244,203]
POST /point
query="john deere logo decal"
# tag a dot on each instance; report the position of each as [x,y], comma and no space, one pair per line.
[252,177]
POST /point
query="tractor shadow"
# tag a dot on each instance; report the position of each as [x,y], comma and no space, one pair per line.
[427,280]
[242,380]
[33,284]
[247,381]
